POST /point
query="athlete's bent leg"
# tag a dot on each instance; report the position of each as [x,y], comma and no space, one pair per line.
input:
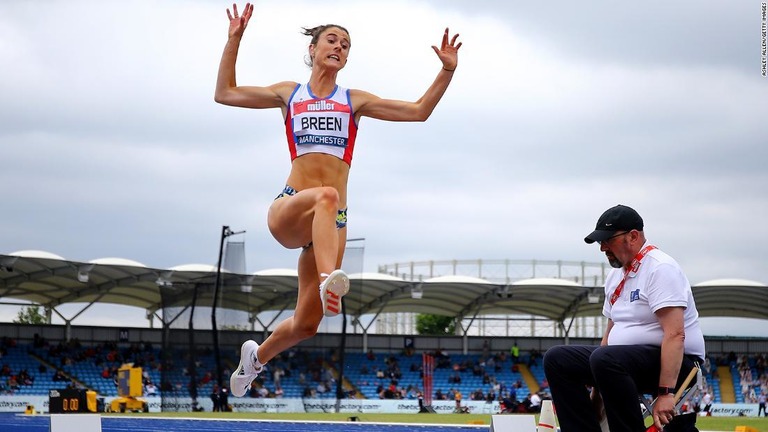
[309,217]
[306,318]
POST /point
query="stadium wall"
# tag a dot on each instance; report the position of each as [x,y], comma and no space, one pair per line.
[353,406]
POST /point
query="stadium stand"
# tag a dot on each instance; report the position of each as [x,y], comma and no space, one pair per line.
[35,367]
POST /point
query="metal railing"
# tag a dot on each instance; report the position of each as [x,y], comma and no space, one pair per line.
[501,271]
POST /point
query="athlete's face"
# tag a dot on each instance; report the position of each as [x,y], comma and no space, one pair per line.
[332,48]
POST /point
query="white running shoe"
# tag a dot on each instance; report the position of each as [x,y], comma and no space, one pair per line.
[248,369]
[333,288]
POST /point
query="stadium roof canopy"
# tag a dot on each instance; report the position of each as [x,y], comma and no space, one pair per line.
[50,281]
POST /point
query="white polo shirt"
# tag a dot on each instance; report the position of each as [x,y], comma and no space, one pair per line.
[658,283]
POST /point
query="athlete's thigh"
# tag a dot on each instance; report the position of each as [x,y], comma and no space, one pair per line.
[290,218]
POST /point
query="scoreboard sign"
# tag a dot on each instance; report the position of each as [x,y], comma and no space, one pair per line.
[64,401]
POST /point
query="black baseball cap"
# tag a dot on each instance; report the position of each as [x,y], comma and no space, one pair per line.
[619,218]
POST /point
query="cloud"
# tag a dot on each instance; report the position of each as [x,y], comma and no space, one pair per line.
[112,145]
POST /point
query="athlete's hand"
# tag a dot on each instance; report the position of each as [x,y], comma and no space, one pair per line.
[238,23]
[448,51]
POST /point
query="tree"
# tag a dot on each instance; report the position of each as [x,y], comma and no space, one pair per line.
[435,325]
[30,315]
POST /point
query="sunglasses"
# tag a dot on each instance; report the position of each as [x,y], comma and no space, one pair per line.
[600,242]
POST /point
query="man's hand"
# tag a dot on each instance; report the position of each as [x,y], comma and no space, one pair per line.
[663,410]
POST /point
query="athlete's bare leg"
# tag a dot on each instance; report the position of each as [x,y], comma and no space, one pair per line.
[309,216]
[309,312]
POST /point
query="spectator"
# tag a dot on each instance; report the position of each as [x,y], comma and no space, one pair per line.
[25,378]
[277,375]
[37,341]
[508,404]
[13,383]
[150,389]
[745,385]
[752,395]
[535,405]
[477,369]
[478,395]
[59,376]
[651,342]
[526,404]
[491,363]
[457,398]
[224,400]
[706,403]
[490,397]
[206,378]
[544,384]
[761,405]
[533,357]
[216,398]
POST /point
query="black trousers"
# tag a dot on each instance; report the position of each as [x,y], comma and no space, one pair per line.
[620,372]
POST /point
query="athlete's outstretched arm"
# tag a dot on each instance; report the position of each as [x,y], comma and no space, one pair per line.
[227,90]
[370,105]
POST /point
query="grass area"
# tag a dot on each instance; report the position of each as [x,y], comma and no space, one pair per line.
[703,423]
[730,423]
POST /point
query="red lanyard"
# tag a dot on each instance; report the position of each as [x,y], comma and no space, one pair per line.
[632,268]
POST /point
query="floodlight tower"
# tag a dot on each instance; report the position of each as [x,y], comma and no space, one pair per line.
[225,232]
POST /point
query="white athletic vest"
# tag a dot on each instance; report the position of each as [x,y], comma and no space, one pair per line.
[317,125]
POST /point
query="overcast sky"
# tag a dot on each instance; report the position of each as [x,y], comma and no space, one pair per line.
[112,145]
